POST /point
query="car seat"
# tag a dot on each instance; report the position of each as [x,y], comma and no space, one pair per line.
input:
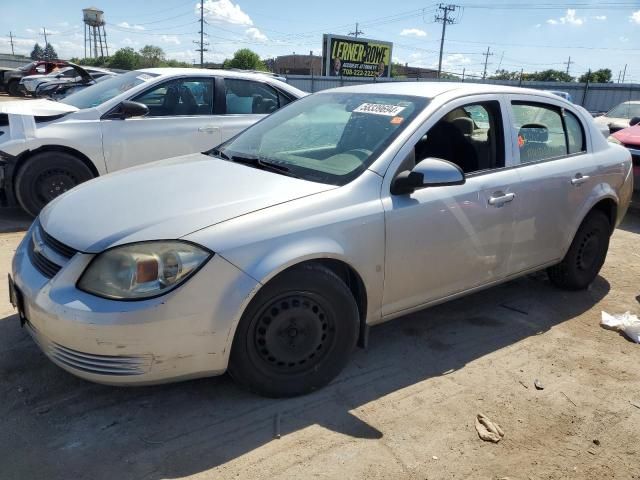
[533,138]
[170,101]
[447,142]
[189,104]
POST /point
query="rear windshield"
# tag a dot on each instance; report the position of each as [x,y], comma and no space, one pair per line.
[625,110]
[101,92]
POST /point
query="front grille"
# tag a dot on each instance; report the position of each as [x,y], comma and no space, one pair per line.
[42,263]
[46,253]
[118,365]
[57,246]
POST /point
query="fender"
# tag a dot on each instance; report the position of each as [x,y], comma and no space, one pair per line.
[602,191]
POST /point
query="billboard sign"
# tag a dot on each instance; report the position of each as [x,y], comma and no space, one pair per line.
[355,57]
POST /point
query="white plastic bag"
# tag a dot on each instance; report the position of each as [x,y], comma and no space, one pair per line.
[626,323]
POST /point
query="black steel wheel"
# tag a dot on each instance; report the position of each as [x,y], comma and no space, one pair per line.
[586,255]
[47,175]
[296,334]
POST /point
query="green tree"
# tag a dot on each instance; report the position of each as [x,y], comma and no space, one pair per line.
[505,75]
[549,76]
[151,56]
[125,58]
[397,70]
[37,53]
[245,59]
[599,76]
[50,52]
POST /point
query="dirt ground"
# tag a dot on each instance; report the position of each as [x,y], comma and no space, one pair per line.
[404,409]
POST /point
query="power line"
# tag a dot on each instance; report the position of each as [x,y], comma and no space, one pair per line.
[445,20]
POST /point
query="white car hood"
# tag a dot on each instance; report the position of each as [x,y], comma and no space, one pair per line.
[38,108]
[165,200]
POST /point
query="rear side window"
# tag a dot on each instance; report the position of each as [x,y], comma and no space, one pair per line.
[248,97]
[546,132]
[575,133]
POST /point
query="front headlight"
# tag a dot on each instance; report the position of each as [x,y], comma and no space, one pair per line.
[613,139]
[142,270]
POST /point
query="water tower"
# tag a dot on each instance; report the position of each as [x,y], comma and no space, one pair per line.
[94,21]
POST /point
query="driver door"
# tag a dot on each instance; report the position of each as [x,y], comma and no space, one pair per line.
[445,240]
[181,120]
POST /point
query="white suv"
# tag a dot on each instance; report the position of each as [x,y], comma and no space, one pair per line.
[46,147]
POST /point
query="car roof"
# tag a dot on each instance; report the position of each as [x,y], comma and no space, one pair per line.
[206,71]
[433,89]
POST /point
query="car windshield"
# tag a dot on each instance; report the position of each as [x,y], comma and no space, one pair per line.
[100,93]
[625,110]
[328,137]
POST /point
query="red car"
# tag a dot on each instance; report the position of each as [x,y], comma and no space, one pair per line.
[630,138]
[11,79]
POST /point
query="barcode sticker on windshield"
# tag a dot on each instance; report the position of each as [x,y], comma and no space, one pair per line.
[379,109]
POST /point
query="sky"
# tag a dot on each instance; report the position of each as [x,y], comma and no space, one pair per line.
[534,35]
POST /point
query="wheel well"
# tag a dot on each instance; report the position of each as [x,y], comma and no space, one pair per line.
[354,282]
[56,148]
[610,209]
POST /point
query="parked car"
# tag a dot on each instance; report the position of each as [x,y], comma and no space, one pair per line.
[566,95]
[71,74]
[134,118]
[271,255]
[3,71]
[618,117]
[59,90]
[11,79]
[630,139]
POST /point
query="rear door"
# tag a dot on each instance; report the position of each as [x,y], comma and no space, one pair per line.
[246,102]
[556,175]
[182,119]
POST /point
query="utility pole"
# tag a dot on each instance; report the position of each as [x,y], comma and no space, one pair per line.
[357,32]
[202,34]
[445,20]
[45,37]
[568,64]
[624,73]
[486,60]
[11,40]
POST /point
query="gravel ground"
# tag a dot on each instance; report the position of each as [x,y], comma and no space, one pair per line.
[404,409]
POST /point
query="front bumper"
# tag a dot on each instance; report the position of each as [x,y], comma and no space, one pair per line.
[184,334]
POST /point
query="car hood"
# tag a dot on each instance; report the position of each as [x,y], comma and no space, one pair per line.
[629,136]
[165,200]
[612,121]
[36,108]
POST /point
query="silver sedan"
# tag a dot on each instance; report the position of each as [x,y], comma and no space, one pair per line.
[271,255]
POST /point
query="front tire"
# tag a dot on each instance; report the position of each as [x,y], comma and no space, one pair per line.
[296,335]
[46,175]
[586,255]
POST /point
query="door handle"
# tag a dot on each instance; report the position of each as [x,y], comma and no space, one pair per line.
[208,129]
[579,179]
[499,199]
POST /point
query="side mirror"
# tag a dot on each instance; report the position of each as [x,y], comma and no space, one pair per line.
[431,172]
[130,109]
[634,121]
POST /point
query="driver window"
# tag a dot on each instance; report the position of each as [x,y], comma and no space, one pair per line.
[179,98]
[469,136]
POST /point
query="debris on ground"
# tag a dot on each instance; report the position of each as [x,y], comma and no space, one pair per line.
[488,430]
[538,384]
[625,323]
[596,442]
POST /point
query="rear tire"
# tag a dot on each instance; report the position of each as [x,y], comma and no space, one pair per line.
[14,88]
[46,175]
[296,335]
[586,255]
